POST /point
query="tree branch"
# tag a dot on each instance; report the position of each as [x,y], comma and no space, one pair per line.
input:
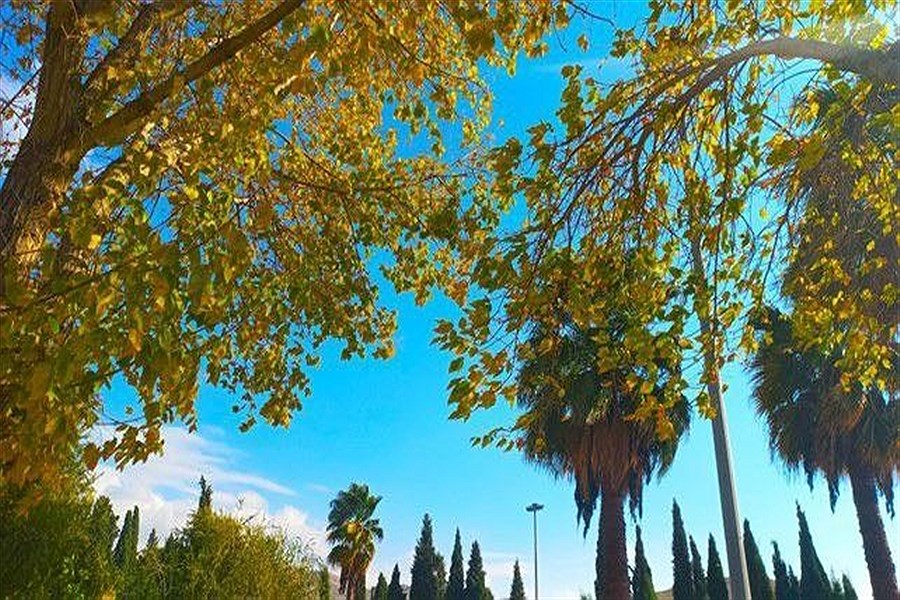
[115,128]
[143,24]
[878,66]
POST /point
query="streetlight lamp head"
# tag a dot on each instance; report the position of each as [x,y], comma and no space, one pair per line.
[534,507]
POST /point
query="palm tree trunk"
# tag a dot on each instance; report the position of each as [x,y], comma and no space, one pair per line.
[878,553]
[612,568]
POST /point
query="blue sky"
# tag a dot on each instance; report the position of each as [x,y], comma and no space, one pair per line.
[385,424]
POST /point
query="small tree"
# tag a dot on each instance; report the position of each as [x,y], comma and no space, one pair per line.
[381,588]
[395,590]
[683,588]
[475,587]
[517,592]
[760,587]
[716,587]
[456,586]
[642,578]
[813,580]
[424,585]
[698,578]
[784,590]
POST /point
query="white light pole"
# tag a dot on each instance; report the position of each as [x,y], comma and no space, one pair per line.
[533,508]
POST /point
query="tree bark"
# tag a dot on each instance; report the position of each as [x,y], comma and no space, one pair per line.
[612,574]
[882,574]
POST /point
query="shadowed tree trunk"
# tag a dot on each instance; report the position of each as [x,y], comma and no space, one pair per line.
[613,573]
[878,554]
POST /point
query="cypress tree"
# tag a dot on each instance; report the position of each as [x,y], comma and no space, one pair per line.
[381,588]
[440,575]
[813,581]
[849,592]
[683,588]
[456,586]
[475,588]
[119,549]
[783,588]
[795,584]
[642,578]
[205,502]
[698,578]
[517,592]
[760,587]
[424,583]
[125,551]
[716,588]
[395,590]
[324,586]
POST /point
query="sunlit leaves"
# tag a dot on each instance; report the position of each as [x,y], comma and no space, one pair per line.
[241,225]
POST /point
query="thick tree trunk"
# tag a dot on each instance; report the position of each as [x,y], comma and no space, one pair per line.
[878,554]
[612,573]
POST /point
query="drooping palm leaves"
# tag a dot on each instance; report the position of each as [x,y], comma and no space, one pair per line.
[352,532]
[820,426]
[578,423]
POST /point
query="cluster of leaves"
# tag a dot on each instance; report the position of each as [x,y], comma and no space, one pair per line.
[70,546]
[693,169]
[160,228]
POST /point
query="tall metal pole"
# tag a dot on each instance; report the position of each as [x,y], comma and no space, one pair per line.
[734,546]
[533,509]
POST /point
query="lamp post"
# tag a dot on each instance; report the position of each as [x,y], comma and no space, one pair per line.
[533,508]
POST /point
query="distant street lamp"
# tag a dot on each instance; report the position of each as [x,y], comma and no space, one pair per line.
[533,508]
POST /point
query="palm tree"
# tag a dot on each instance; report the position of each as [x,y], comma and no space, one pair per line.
[817,424]
[577,424]
[352,533]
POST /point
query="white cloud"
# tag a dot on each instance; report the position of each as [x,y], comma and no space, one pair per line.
[165,488]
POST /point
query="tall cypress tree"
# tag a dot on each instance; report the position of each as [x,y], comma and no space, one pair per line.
[849,592]
[395,590]
[475,588]
[381,588]
[760,586]
[440,575]
[813,580]
[698,578]
[324,586]
[716,587]
[517,592]
[125,551]
[456,586]
[424,583]
[783,588]
[683,588]
[642,578]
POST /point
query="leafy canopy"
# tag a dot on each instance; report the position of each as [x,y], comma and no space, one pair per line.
[206,191]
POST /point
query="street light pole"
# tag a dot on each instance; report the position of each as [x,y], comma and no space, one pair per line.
[533,508]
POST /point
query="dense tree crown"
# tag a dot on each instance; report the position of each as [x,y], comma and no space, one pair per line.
[813,580]
[395,590]
[517,591]
[158,227]
[698,577]
[352,531]
[475,586]
[760,588]
[642,578]
[716,588]
[424,583]
[683,586]
[456,584]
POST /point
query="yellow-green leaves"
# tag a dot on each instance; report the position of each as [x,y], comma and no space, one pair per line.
[234,221]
